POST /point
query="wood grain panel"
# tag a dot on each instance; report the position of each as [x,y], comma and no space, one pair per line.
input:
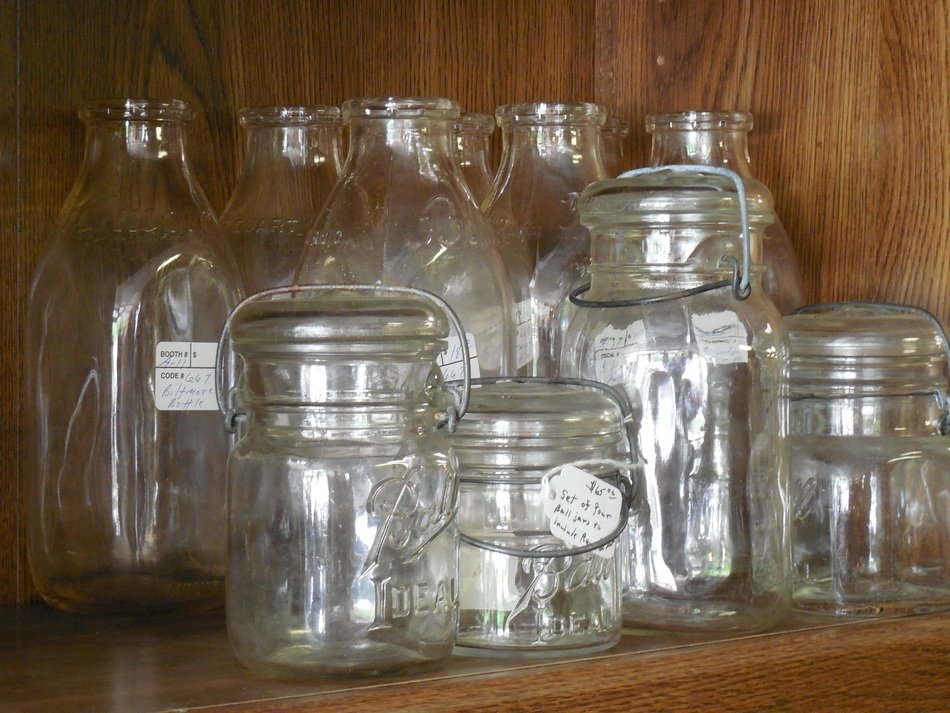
[850,100]
[11,575]
[51,661]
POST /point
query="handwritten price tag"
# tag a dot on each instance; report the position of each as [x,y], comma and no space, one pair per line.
[582,509]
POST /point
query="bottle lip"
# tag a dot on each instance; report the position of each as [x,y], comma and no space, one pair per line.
[551,114]
[400,108]
[470,122]
[699,121]
[290,115]
[136,109]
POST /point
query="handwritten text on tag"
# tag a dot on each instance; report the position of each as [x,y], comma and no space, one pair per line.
[582,509]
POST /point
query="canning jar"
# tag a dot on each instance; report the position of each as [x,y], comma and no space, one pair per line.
[342,489]
[544,468]
[870,459]
[675,317]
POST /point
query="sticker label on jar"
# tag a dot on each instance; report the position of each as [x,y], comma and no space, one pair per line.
[613,349]
[184,376]
[525,334]
[721,337]
[451,360]
[582,509]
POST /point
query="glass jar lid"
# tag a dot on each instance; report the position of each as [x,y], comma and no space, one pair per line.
[350,320]
[536,424]
[670,199]
[864,350]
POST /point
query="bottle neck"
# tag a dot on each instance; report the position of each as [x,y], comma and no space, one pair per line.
[290,148]
[564,150]
[424,144]
[727,148]
[135,167]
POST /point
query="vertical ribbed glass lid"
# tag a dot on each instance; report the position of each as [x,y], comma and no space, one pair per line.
[527,424]
[858,350]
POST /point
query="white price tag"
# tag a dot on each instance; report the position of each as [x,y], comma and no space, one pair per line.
[582,509]
[526,334]
[451,360]
[613,352]
[184,376]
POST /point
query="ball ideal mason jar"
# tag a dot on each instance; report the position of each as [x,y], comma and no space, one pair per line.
[677,320]
[342,488]
[545,472]
[869,427]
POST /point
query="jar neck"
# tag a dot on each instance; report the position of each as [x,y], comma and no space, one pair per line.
[374,424]
[689,247]
[725,147]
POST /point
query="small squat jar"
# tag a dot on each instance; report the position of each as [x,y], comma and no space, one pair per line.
[342,489]
[870,461]
[527,585]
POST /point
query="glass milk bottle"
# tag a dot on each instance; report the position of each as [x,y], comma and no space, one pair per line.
[720,138]
[869,425]
[675,317]
[342,488]
[127,503]
[551,152]
[291,163]
[401,215]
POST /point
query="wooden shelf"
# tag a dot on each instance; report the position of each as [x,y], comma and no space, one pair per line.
[52,661]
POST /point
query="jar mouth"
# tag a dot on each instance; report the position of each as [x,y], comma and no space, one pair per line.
[290,115]
[699,121]
[400,108]
[473,123]
[143,109]
[551,114]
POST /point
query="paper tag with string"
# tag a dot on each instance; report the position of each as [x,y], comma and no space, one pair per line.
[582,509]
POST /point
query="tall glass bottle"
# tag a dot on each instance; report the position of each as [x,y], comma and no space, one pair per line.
[720,138]
[551,152]
[401,216]
[128,508]
[473,134]
[292,161]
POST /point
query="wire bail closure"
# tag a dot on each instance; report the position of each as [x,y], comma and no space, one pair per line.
[621,474]
[943,399]
[227,395]
[739,282]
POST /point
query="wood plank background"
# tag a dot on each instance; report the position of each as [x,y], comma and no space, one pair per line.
[850,99]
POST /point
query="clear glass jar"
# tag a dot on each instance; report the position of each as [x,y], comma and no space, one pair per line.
[720,138]
[698,349]
[526,588]
[473,134]
[551,152]
[401,215]
[613,145]
[127,505]
[869,425]
[291,163]
[343,490]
